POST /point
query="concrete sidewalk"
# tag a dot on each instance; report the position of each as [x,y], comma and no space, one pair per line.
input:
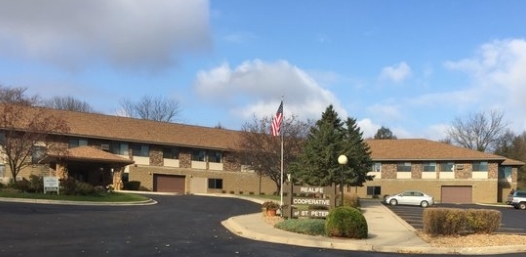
[387,233]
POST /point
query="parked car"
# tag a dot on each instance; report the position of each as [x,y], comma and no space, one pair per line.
[517,199]
[410,197]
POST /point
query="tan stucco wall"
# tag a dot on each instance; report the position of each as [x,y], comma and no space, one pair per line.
[233,182]
[484,191]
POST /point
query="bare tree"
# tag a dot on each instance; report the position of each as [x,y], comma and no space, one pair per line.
[151,108]
[261,152]
[25,130]
[17,95]
[478,131]
[384,133]
[68,103]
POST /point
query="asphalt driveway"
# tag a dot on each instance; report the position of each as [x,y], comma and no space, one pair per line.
[176,226]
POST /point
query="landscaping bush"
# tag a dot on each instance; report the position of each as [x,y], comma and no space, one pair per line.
[483,221]
[36,184]
[132,185]
[452,221]
[83,188]
[67,186]
[304,226]
[345,221]
[351,200]
[23,185]
[443,221]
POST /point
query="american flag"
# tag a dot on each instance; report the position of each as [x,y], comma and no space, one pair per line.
[276,122]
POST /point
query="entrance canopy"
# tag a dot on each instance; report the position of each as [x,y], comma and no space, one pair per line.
[89,156]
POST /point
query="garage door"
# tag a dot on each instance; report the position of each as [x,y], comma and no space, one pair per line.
[456,194]
[168,183]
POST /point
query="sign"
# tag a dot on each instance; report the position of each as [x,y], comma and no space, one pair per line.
[312,190]
[311,201]
[311,213]
[309,196]
[51,184]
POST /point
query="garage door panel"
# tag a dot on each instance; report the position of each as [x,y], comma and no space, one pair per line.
[456,194]
[169,183]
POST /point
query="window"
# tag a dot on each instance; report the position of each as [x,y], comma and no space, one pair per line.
[403,167]
[215,156]
[171,153]
[504,172]
[430,166]
[374,190]
[215,183]
[447,166]
[119,148]
[125,177]
[377,167]
[2,170]
[198,155]
[140,150]
[480,166]
[75,142]
[38,153]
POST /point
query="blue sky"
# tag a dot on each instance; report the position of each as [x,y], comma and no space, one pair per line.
[412,66]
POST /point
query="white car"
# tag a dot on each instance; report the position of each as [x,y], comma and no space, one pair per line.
[410,197]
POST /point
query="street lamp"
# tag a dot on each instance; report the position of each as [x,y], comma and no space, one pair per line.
[342,160]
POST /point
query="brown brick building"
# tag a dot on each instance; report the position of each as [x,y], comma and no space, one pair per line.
[182,158]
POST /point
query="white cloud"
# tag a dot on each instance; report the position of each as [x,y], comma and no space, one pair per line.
[149,35]
[368,127]
[395,73]
[258,86]
[388,112]
[498,73]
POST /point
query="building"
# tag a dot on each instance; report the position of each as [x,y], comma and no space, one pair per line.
[169,157]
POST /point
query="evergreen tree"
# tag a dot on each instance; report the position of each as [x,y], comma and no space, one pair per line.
[358,155]
[328,139]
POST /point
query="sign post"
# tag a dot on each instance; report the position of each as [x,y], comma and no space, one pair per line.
[51,184]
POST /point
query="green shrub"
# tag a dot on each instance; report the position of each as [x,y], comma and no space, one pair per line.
[482,220]
[345,221]
[67,186]
[99,190]
[304,226]
[83,188]
[36,184]
[23,185]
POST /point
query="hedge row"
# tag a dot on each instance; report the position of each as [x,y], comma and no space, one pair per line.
[454,221]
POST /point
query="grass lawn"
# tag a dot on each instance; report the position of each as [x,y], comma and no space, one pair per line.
[113,197]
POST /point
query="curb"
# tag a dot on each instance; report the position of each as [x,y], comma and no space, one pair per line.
[84,203]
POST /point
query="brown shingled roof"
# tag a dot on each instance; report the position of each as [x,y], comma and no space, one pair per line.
[88,153]
[511,162]
[423,149]
[93,125]
[115,128]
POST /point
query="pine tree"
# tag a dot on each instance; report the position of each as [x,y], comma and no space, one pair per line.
[328,139]
[358,154]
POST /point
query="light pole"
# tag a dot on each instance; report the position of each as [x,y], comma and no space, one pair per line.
[342,160]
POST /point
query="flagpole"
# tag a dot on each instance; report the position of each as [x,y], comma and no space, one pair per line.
[281,177]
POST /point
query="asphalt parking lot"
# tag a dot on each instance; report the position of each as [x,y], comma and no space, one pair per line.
[177,226]
[512,219]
